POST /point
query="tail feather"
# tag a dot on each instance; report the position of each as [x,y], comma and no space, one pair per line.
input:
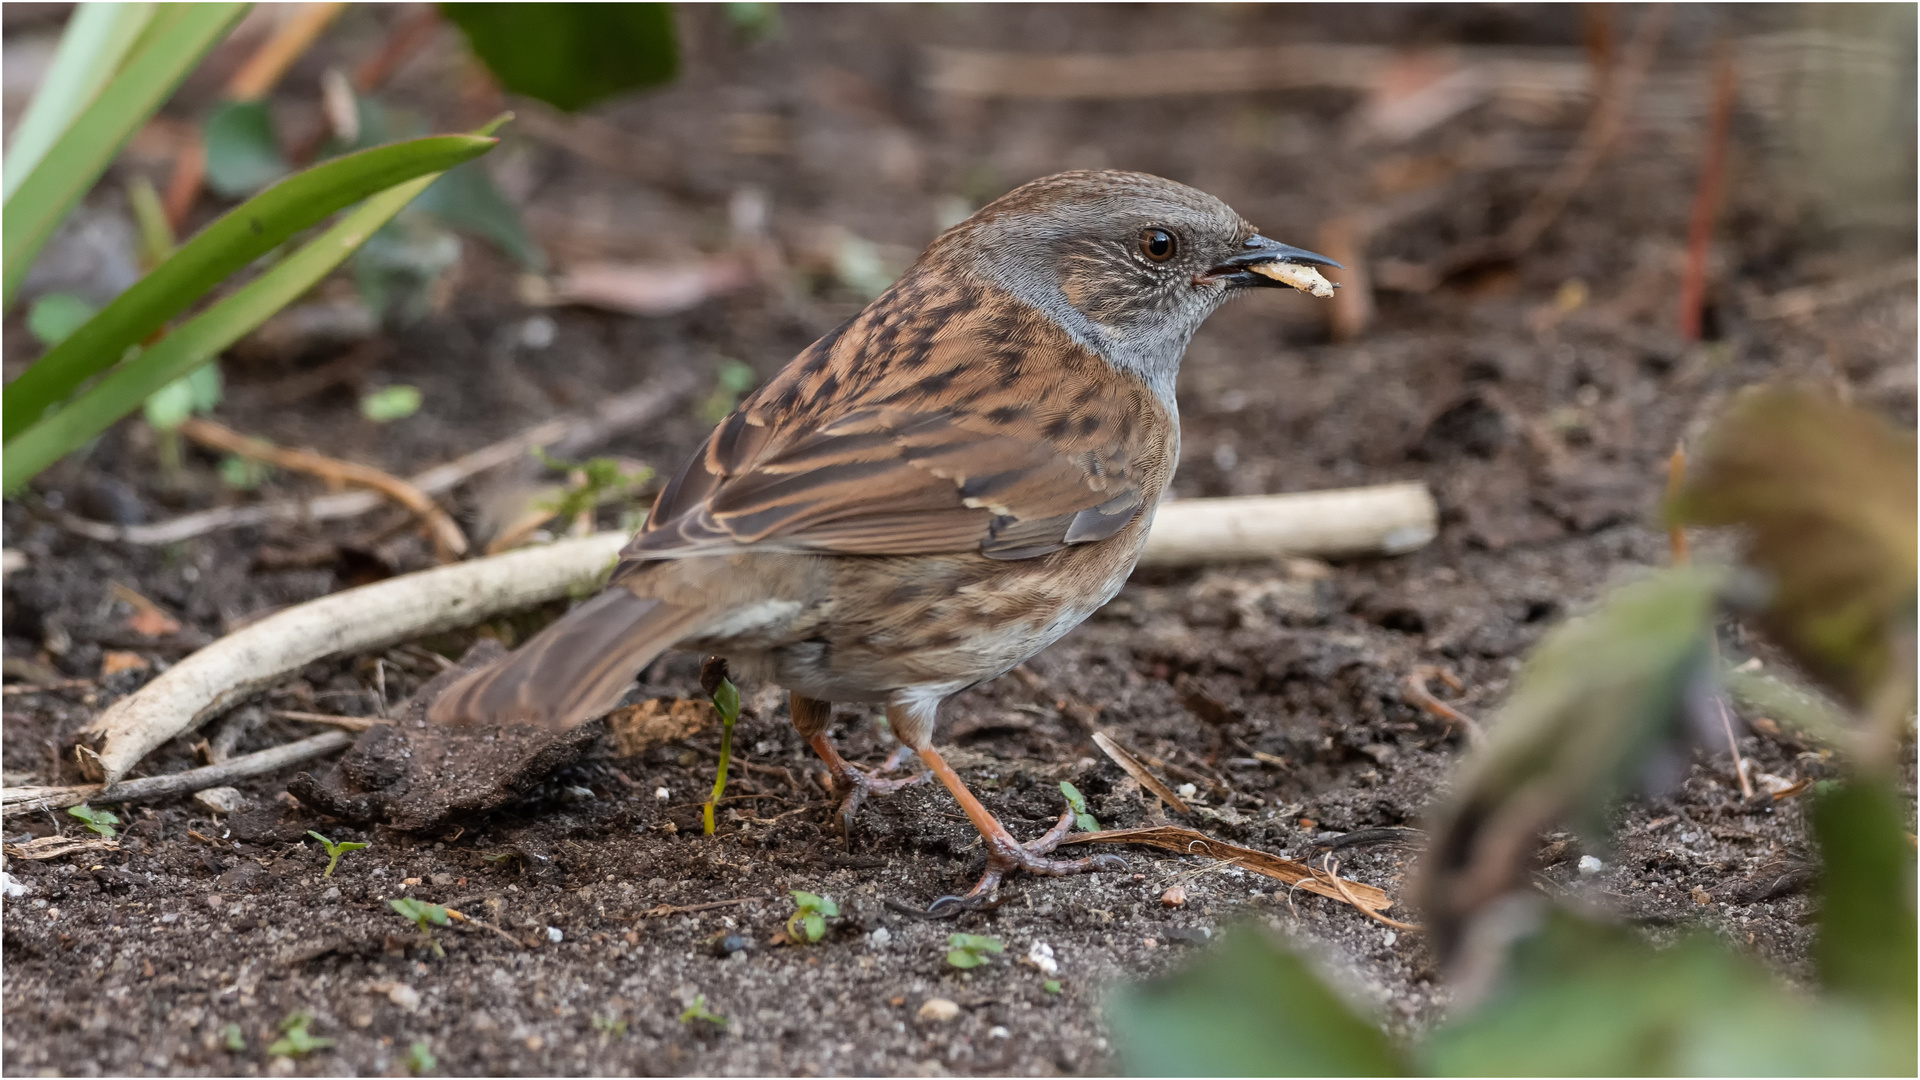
[572,671]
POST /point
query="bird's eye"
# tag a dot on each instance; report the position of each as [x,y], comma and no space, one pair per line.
[1157,244]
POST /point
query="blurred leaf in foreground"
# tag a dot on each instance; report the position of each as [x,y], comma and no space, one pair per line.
[1595,709]
[1589,1000]
[571,55]
[1826,492]
[1246,1008]
[1867,940]
[55,316]
[465,198]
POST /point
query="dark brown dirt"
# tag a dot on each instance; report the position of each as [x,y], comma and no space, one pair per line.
[1541,430]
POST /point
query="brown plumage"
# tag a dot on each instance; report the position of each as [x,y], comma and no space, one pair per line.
[931,493]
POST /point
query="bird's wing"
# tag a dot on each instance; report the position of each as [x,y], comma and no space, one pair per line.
[982,448]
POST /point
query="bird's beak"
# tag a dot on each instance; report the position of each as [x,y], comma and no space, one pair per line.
[1238,270]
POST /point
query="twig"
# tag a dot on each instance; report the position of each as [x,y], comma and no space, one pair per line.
[1331,876]
[1800,302]
[1415,689]
[1706,200]
[210,681]
[665,910]
[460,916]
[567,435]
[1193,842]
[447,537]
[23,800]
[1676,479]
[351,723]
[1385,519]
[1138,770]
[270,61]
[42,688]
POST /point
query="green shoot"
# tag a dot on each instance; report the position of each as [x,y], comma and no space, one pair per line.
[610,1027]
[1082,820]
[334,851]
[295,1040]
[596,481]
[732,380]
[420,1058]
[423,915]
[232,1039]
[99,821]
[55,316]
[808,923]
[972,950]
[726,698]
[243,474]
[390,404]
[699,1011]
[1051,986]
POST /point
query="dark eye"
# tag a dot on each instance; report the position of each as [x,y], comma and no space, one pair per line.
[1157,244]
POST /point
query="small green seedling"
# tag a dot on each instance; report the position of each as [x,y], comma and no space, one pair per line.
[610,1027]
[423,915]
[1051,986]
[593,483]
[100,821]
[1082,820]
[699,1011]
[334,851]
[295,1040]
[391,403]
[420,1058]
[808,923]
[232,1039]
[972,950]
[726,698]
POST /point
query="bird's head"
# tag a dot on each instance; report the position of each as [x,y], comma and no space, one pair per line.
[1129,262]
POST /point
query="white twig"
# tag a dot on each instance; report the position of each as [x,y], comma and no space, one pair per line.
[1391,519]
[24,799]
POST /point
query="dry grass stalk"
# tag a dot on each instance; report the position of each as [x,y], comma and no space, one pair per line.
[1135,768]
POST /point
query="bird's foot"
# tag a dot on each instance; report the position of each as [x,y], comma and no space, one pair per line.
[1006,854]
[853,784]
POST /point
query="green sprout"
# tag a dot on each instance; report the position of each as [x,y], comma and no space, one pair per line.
[100,821]
[726,698]
[808,923]
[391,403]
[732,380]
[334,851]
[610,1027]
[1077,802]
[1051,986]
[295,1040]
[420,1058]
[596,481]
[232,1039]
[423,915]
[699,1011]
[972,950]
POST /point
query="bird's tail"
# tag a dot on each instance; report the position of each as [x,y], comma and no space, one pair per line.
[572,671]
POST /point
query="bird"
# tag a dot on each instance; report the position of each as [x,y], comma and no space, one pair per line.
[928,495]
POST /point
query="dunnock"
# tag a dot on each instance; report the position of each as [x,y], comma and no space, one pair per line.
[931,493]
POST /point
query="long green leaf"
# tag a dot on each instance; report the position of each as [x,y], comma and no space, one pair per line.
[170,48]
[122,390]
[97,37]
[240,236]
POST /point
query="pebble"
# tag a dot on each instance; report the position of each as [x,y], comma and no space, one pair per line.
[662,794]
[554,935]
[332,893]
[938,1010]
[404,996]
[537,332]
[11,887]
[219,800]
[998,1032]
[577,794]
[1589,864]
[880,937]
[1175,896]
[1186,791]
[1040,955]
[732,944]
[214,900]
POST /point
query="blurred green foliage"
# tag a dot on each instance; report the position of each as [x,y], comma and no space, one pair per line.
[571,55]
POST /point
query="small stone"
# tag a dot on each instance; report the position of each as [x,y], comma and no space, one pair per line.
[732,944]
[11,887]
[1175,896]
[576,794]
[1700,896]
[662,794]
[219,800]
[214,900]
[554,935]
[938,1010]
[332,893]
[535,1042]
[404,996]
[1151,943]
[1392,936]
[998,1032]
[1040,955]
[1186,791]
[442,880]
[537,332]
[880,937]
[1589,864]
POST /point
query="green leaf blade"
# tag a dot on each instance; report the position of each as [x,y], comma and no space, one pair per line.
[95,40]
[224,247]
[170,47]
[571,55]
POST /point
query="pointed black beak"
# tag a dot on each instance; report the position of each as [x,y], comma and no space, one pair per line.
[1259,250]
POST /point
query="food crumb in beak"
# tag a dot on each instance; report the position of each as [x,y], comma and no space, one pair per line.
[1305,278]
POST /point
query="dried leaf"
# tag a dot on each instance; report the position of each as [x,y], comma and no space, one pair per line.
[1193,842]
[639,728]
[115,661]
[52,847]
[1826,492]
[650,289]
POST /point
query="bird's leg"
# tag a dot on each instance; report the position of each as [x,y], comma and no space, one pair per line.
[851,784]
[912,722]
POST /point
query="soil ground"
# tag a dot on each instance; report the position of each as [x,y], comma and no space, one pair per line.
[1538,400]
